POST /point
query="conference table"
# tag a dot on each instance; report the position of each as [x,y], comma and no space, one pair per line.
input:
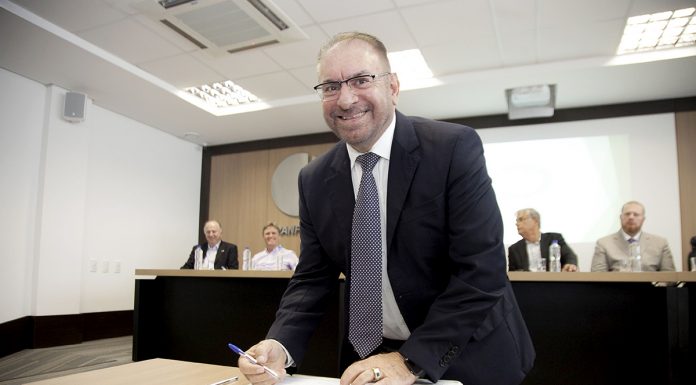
[172,372]
[598,328]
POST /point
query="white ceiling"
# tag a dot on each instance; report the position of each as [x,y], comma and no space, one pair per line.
[476,48]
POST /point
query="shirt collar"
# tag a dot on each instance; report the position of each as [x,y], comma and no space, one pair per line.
[627,237]
[382,147]
[538,241]
[214,247]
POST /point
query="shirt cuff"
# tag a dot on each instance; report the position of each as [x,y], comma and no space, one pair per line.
[288,358]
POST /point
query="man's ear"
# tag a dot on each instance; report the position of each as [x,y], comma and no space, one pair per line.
[395,87]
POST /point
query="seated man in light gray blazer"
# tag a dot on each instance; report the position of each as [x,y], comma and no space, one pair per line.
[612,251]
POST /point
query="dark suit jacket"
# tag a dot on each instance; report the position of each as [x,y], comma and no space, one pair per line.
[226,256]
[445,255]
[518,259]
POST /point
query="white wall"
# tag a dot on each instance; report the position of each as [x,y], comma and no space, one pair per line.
[107,191]
[21,124]
[578,175]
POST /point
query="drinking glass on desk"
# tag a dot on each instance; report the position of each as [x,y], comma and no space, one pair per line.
[625,265]
[541,267]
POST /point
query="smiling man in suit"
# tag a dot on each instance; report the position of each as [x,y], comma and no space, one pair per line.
[221,253]
[524,255]
[439,304]
[611,252]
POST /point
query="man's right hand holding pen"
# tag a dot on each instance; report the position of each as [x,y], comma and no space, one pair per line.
[269,353]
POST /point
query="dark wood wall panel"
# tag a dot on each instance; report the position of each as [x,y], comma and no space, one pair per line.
[686,158]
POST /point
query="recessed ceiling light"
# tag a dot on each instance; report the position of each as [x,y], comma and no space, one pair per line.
[660,30]
[411,68]
[223,94]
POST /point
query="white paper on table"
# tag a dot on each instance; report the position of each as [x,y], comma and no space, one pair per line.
[300,379]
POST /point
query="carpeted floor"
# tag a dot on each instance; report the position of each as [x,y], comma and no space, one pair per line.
[39,364]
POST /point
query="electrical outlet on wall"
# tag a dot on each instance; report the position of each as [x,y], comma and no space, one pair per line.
[92,265]
[117,267]
[105,266]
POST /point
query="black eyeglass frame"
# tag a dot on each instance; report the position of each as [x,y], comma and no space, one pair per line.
[339,83]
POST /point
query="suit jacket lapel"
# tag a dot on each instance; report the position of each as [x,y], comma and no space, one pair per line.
[219,254]
[524,260]
[339,187]
[544,244]
[403,163]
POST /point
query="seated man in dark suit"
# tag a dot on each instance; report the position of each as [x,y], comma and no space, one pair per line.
[215,253]
[535,244]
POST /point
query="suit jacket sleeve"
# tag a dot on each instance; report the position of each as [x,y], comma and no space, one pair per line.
[599,258]
[667,262]
[316,275]
[190,262]
[517,256]
[450,249]
[567,254]
[230,260]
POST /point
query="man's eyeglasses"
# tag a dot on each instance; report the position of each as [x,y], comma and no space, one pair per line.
[331,90]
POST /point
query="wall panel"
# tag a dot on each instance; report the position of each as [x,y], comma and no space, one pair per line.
[241,199]
[686,155]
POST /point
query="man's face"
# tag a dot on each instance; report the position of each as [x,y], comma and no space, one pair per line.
[270,236]
[632,217]
[525,225]
[213,233]
[358,116]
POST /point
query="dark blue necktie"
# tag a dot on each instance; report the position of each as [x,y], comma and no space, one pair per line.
[365,329]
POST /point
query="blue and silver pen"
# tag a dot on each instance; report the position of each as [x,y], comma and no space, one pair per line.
[252,360]
[226,381]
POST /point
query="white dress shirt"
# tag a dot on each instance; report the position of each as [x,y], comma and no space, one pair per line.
[394,326]
[279,258]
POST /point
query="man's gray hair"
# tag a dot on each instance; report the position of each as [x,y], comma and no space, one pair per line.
[532,214]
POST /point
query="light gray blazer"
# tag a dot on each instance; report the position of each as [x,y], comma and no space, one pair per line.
[611,250]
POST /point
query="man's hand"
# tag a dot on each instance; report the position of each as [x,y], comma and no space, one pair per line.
[266,352]
[390,369]
[570,267]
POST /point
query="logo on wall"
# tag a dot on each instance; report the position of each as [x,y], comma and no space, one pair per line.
[284,183]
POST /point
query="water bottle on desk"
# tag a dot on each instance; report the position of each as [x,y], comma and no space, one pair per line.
[246,259]
[279,262]
[635,260]
[555,257]
[198,258]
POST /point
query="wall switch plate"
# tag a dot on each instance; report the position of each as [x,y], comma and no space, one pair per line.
[117,267]
[92,265]
[105,266]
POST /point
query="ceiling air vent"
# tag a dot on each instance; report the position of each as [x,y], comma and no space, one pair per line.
[220,26]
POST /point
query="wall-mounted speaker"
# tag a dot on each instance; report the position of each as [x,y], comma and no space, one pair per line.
[74,107]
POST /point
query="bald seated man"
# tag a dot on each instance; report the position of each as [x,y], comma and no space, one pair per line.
[612,251]
[221,254]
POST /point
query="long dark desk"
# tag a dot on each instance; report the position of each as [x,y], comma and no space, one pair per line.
[191,316]
[606,328]
[588,328]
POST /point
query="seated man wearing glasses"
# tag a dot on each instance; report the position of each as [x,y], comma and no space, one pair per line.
[529,252]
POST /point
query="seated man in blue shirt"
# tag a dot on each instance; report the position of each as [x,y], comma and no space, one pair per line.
[274,256]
